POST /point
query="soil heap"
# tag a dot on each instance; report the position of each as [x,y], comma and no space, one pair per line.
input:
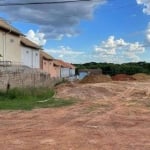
[123,77]
[93,78]
[141,76]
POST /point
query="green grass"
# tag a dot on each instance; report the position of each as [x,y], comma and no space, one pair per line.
[30,98]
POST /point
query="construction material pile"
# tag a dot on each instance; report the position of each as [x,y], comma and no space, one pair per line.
[93,78]
[123,77]
[96,79]
[141,77]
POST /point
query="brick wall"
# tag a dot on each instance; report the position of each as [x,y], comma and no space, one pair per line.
[26,78]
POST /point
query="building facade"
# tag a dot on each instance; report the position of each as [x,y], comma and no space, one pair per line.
[49,65]
[16,49]
[9,43]
[56,68]
[30,53]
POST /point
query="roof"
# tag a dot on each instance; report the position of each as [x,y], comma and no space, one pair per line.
[57,63]
[46,55]
[63,64]
[71,66]
[29,43]
[6,26]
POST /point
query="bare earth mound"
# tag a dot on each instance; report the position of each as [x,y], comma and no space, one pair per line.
[123,77]
[109,116]
[82,91]
[96,79]
[141,77]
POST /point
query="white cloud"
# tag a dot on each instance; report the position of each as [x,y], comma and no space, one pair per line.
[112,50]
[132,56]
[55,21]
[118,50]
[148,32]
[146,10]
[37,37]
[146,4]
[66,53]
[135,47]
[110,46]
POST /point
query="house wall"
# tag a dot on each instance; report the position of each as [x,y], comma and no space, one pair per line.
[21,78]
[30,57]
[72,72]
[65,72]
[54,70]
[36,59]
[58,71]
[48,66]
[10,47]
[45,66]
[1,44]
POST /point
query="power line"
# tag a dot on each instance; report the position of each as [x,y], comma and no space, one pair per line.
[43,3]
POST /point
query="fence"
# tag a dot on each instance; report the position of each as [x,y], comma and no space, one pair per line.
[21,76]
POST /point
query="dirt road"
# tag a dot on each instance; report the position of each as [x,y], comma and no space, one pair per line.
[108,116]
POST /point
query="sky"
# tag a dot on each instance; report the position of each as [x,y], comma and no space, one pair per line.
[112,31]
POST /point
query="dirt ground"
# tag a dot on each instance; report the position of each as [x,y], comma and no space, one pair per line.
[107,116]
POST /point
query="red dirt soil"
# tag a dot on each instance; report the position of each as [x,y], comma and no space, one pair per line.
[123,77]
[108,116]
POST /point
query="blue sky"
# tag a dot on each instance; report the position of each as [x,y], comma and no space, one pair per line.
[100,30]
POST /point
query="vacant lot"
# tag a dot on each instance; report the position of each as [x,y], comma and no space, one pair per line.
[107,116]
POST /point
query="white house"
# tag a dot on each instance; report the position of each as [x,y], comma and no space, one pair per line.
[9,43]
[17,49]
[66,69]
[64,72]
[72,70]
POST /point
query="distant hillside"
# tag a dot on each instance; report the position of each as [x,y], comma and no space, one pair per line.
[112,69]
